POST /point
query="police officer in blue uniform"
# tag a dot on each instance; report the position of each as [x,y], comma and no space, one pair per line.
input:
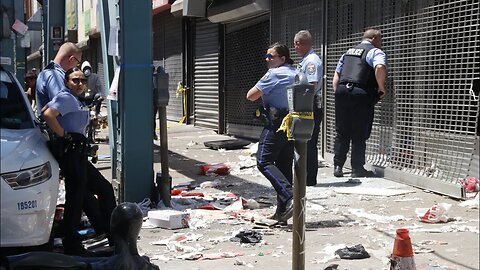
[67,117]
[50,80]
[311,66]
[275,152]
[358,82]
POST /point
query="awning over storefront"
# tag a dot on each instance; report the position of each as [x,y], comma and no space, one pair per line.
[189,8]
[159,6]
[235,10]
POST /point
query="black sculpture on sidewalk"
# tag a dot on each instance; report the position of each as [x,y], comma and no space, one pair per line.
[125,225]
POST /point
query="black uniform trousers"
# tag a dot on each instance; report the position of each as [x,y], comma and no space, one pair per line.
[82,181]
[312,144]
[274,161]
[354,108]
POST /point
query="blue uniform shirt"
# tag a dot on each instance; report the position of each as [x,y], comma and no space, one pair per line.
[374,57]
[49,82]
[74,115]
[274,86]
[312,67]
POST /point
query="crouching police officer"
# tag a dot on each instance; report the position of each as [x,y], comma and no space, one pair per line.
[67,117]
[275,152]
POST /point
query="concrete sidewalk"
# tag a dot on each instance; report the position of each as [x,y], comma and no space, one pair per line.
[334,218]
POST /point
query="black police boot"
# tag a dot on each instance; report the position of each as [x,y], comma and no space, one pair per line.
[288,212]
[337,171]
[361,172]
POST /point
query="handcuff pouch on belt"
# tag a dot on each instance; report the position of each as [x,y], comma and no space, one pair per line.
[271,116]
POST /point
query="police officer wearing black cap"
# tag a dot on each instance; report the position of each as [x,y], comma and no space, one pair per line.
[358,83]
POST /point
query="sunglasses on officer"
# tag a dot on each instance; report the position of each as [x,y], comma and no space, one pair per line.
[78,81]
[270,56]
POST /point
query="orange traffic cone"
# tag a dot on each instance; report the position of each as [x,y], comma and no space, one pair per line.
[402,256]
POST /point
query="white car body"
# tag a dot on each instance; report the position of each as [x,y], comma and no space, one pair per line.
[27,206]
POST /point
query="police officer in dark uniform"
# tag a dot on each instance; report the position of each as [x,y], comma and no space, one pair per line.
[275,152]
[67,117]
[358,82]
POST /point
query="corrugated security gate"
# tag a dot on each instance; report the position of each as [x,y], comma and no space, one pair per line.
[245,47]
[205,82]
[289,17]
[424,131]
[167,52]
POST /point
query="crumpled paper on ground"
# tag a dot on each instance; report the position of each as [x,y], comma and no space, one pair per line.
[435,214]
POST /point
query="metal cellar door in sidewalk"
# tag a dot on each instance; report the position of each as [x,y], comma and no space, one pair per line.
[206,69]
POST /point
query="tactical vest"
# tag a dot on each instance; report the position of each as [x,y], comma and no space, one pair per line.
[356,70]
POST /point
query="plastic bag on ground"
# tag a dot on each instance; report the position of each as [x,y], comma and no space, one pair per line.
[435,214]
[353,252]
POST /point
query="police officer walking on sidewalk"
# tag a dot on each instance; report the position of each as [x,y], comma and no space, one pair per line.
[358,83]
[312,67]
[275,151]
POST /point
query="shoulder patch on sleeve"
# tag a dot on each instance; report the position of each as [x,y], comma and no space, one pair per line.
[265,76]
[311,69]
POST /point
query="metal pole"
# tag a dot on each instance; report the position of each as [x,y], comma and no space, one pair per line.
[135,99]
[165,188]
[299,201]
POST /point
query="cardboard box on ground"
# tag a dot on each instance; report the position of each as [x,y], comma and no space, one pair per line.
[168,219]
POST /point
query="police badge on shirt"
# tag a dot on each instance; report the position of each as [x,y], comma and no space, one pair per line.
[311,69]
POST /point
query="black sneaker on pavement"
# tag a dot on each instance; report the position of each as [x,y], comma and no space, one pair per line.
[337,171]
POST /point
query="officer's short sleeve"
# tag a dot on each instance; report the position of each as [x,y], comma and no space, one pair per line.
[63,103]
[377,57]
[311,70]
[266,83]
[340,64]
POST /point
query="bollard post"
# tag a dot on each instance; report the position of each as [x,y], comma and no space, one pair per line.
[299,201]
[166,192]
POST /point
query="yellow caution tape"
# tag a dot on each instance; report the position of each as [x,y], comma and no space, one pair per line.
[287,122]
[183,91]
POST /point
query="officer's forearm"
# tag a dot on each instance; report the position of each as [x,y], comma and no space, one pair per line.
[380,76]
[254,94]
[50,117]
[336,79]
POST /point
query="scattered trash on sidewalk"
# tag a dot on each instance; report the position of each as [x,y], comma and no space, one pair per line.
[178,238]
[216,168]
[168,219]
[352,252]
[247,236]
[372,191]
[210,184]
[332,266]
[471,204]
[435,214]
[470,184]
[375,217]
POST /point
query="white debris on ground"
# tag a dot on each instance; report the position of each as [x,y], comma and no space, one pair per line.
[335,205]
